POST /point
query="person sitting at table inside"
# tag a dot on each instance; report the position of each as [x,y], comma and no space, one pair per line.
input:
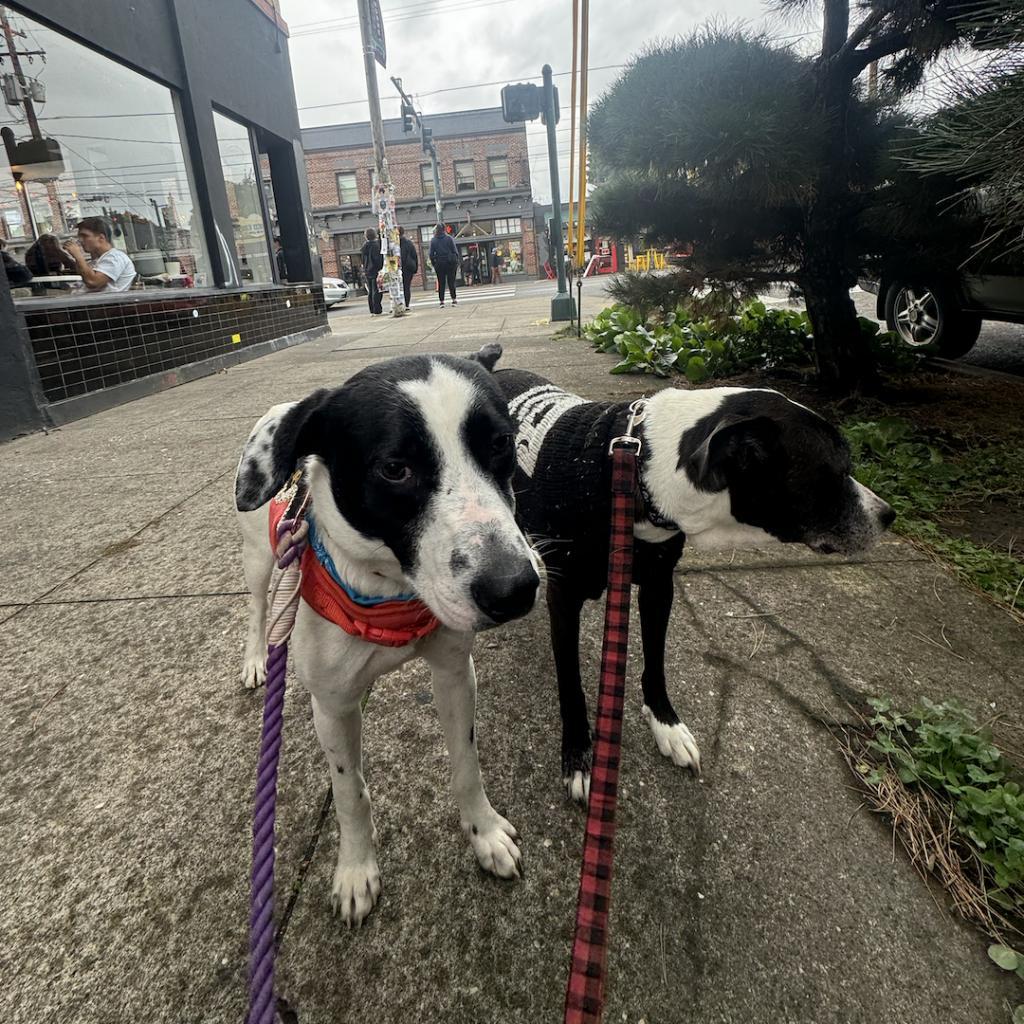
[110,269]
[17,273]
[45,257]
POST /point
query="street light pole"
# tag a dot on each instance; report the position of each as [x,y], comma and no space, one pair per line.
[562,305]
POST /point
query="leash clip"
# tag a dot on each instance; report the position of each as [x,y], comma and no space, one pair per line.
[637,414]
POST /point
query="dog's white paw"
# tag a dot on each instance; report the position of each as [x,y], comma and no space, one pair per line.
[254,671]
[355,890]
[577,787]
[493,842]
[674,741]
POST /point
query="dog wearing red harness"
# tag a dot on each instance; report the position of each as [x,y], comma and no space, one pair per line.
[413,548]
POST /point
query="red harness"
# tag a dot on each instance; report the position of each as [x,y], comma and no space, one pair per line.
[390,623]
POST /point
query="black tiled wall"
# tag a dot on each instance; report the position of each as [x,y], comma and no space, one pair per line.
[87,345]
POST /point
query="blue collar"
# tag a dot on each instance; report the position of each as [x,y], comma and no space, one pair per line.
[324,558]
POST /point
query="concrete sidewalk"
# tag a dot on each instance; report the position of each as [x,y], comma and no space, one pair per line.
[763,892]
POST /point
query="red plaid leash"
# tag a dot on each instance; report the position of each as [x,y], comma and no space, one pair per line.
[584,996]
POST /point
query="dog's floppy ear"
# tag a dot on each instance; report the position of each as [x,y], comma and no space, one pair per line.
[734,445]
[488,355]
[275,450]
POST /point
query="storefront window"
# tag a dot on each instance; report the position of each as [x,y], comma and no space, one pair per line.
[512,252]
[86,137]
[347,250]
[508,226]
[243,187]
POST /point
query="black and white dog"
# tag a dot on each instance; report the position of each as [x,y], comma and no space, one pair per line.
[409,467]
[719,468]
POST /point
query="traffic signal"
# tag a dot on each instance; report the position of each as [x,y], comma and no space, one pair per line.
[407,112]
[427,138]
[521,102]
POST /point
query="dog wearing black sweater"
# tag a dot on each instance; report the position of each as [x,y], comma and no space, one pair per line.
[720,468]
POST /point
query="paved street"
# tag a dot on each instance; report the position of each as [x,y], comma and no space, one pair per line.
[762,893]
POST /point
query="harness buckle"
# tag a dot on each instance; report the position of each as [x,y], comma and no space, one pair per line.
[637,414]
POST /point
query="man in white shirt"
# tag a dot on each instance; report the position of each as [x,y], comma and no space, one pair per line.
[110,269]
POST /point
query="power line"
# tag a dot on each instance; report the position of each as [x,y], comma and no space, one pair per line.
[459,5]
[455,88]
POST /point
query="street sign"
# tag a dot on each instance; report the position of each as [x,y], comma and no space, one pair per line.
[380,47]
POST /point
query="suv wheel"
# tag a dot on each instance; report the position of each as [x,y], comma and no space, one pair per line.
[929,319]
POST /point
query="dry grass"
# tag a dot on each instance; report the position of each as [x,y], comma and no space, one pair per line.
[925,826]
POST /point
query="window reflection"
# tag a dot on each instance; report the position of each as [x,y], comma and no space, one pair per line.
[243,187]
[86,137]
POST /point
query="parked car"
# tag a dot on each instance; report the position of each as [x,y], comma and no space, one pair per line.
[941,314]
[335,291]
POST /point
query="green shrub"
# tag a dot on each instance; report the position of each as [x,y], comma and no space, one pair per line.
[704,346]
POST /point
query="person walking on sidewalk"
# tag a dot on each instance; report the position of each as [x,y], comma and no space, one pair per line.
[373,264]
[410,264]
[445,257]
[497,261]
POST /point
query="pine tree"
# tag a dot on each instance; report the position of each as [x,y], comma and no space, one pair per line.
[765,160]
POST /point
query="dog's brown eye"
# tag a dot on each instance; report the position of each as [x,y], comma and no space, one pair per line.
[395,472]
[501,444]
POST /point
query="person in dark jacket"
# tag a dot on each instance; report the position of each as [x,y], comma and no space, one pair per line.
[373,264]
[281,259]
[410,264]
[17,273]
[444,255]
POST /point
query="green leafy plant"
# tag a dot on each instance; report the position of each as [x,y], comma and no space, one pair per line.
[940,746]
[919,479]
[703,346]
[956,805]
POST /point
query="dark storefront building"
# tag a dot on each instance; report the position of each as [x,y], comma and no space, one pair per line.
[485,192]
[174,122]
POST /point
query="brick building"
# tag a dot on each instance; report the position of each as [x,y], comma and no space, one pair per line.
[485,190]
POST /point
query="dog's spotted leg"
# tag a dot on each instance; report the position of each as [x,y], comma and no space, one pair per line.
[258,564]
[356,875]
[491,836]
[673,738]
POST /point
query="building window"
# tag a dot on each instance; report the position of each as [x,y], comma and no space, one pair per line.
[508,226]
[242,182]
[465,176]
[66,164]
[348,188]
[512,256]
[497,172]
[426,179]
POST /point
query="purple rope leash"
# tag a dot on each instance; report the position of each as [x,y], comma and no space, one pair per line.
[284,602]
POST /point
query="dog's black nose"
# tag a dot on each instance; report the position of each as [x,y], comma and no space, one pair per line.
[887,517]
[506,589]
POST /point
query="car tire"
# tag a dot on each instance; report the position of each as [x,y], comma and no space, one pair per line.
[927,318]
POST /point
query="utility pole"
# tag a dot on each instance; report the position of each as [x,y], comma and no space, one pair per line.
[30,115]
[384,197]
[426,142]
[562,305]
[19,74]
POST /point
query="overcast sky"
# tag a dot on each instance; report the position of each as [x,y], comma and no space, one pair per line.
[443,44]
